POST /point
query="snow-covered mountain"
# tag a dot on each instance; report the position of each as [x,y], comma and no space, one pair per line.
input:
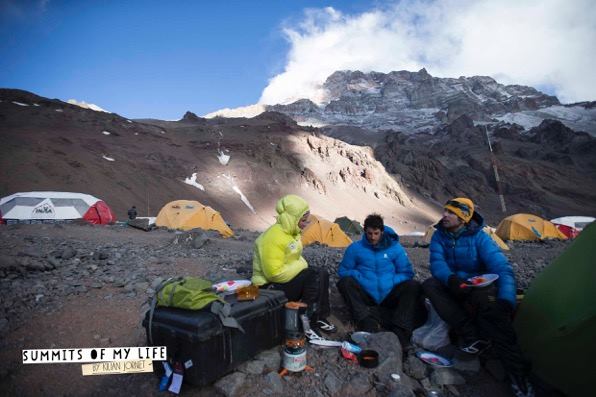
[418,102]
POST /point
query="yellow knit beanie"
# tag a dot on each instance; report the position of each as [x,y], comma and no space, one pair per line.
[462,207]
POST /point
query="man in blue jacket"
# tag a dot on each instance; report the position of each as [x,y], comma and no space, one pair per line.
[460,250]
[376,281]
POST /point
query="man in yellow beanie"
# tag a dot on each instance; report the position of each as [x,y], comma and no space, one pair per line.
[278,263]
[479,315]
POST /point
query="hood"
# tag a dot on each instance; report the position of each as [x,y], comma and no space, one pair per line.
[474,226]
[290,209]
[390,238]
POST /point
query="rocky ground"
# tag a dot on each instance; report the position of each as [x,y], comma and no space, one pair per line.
[87,286]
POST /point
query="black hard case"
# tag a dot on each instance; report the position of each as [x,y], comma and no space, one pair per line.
[215,350]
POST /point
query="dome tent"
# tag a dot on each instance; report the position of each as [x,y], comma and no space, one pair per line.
[187,215]
[54,207]
[349,226]
[556,321]
[325,232]
[571,226]
[528,227]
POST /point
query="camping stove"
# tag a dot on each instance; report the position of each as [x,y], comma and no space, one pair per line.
[294,353]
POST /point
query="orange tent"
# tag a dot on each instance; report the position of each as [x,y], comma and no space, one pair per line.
[325,232]
[187,215]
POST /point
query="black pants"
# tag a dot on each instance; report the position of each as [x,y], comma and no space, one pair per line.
[479,315]
[402,308]
[310,286]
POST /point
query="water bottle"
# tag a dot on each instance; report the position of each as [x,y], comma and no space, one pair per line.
[165,379]
[163,383]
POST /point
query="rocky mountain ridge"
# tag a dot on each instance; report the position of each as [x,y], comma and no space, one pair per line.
[383,101]
[548,170]
[413,102]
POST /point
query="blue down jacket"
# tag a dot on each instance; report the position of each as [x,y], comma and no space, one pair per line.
[377,268]
[468,254]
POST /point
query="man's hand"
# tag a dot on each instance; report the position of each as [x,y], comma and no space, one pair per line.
[458,286]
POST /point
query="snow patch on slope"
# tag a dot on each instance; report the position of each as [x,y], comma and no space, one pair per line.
[192,181]
[86,105]
[236,189]
[223,158]
[243,111]
[577,118]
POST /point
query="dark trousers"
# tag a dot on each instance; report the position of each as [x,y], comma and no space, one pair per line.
[403,307]
[310,286]
[479,315]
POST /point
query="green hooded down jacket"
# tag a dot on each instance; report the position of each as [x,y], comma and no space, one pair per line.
[277,256]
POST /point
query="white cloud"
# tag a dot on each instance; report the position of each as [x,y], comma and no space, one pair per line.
[530,42]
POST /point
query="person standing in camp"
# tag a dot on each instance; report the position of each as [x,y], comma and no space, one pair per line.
[478,311]
[132,213]
[278,264]
[376,281]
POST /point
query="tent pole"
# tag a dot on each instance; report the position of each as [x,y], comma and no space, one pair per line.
[147,196]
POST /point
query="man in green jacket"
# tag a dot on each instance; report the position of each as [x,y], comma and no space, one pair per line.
[278,262]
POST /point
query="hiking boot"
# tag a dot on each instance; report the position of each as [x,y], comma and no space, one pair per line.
[474,346]
[521,386]
[323,325]
[369,324]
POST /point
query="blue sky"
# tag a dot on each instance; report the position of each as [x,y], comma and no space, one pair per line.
[162,58]
[147,58]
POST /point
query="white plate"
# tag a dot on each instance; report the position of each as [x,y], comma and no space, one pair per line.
[360,337]
[325,342]
[483,280]
[434,359]
[230,285]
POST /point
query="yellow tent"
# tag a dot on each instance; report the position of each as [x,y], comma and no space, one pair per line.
[491,232]
[487,229]
[187,215]
[325,232]
[528,227]
[428,234]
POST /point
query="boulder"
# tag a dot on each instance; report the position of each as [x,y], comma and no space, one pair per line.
[231,385]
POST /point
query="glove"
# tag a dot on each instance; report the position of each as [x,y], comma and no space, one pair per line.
[455,286]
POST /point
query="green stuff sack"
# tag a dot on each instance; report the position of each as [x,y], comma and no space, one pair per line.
[190,293]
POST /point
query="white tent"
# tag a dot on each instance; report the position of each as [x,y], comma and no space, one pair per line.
[38,207]
[576,222]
